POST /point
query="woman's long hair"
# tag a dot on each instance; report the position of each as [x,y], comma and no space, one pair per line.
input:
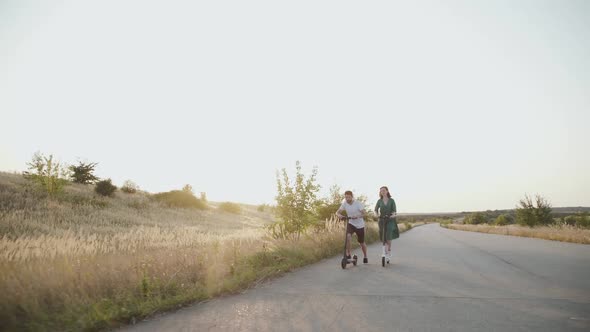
[388,194]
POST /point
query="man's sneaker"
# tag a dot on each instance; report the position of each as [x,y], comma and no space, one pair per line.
[365,260]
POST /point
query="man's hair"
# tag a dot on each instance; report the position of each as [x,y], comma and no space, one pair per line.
[348,192]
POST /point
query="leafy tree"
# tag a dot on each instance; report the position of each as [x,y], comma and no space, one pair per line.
[535,213]
[83,173]
[327,206]
[296,203]
[46,172]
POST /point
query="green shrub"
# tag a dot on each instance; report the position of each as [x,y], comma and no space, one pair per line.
[579,220]
[230,207]
[583,222]
[476,218]
[445,221]
[503,220]
[83,173]
[180,198]
[129,187]
[105,188]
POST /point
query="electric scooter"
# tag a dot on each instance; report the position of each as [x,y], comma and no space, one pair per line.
[345,259]
[384,219]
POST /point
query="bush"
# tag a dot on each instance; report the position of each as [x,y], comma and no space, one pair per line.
[579,220]
[230,207]
[476,218]
[129,187]
[503,220]
[105,188]
[583,222]
[180,198]
[47,173]
[261,208]
[83,173]
[533,214]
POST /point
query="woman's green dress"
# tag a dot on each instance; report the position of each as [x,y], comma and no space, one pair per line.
[391,230]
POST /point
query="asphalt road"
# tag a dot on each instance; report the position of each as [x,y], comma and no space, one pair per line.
[439,280]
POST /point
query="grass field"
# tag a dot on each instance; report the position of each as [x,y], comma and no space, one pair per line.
[83,262]
[563,233]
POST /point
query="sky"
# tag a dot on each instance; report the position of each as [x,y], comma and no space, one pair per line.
[454,105]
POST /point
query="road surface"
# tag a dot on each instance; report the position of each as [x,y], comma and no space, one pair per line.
[439,280]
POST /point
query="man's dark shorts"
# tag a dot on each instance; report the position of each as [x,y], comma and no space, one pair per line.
[360,232]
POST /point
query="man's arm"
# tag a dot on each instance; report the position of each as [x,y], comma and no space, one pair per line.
[361,211]
[338,214]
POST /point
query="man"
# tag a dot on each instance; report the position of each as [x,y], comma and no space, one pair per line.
[356,224]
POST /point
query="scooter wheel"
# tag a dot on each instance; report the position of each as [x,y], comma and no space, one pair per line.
[343,264]
[383,261]
[354,260]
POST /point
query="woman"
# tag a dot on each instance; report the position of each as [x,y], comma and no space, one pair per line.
[385,208]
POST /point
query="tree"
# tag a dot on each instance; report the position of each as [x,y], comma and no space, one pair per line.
[46,172]
[83,173]
[296,203]
[543,211]
[327,206]
[534,213]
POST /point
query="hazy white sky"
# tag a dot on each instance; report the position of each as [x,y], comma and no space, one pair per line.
[455,105]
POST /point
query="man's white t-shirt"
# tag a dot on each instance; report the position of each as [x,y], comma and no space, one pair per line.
[353,210]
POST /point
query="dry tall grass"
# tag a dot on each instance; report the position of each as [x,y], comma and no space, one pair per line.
[82,262]
[564,233]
